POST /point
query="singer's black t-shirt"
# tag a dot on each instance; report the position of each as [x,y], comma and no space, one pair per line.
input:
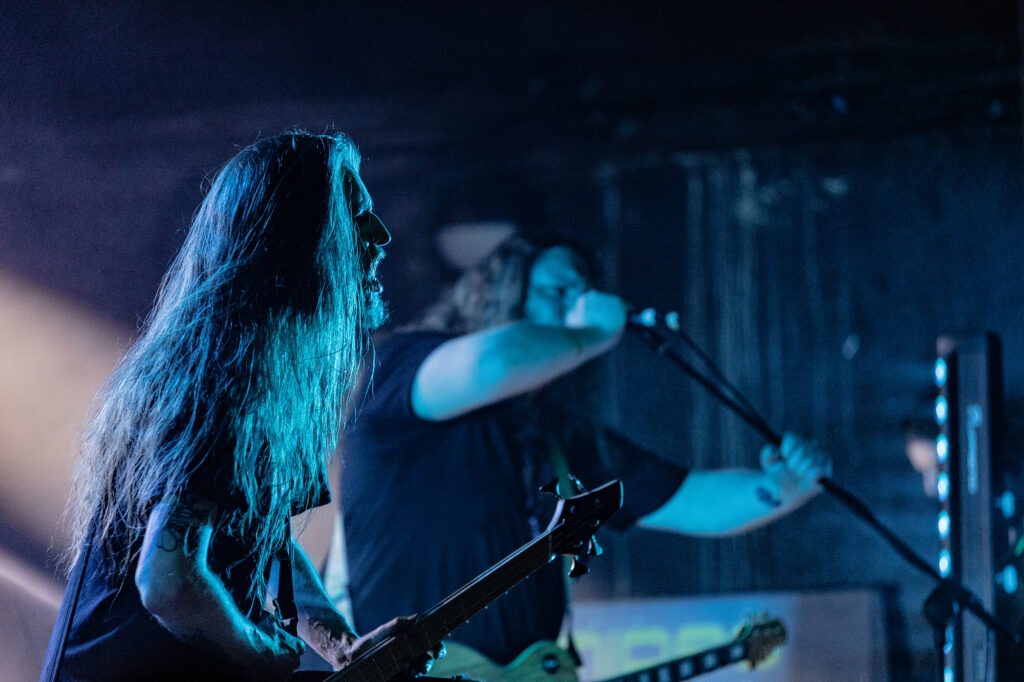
[430,505]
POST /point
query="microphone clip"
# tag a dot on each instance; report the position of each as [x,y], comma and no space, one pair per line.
[650,317]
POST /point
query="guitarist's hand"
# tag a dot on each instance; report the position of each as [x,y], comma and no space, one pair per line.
[393,627]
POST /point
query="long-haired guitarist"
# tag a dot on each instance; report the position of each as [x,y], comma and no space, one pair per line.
[216,428]
[482,400]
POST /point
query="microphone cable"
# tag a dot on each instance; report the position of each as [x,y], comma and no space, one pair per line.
[714,381]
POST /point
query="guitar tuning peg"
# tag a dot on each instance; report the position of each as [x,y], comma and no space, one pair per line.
[577,487]
[593,548]
[550,487]
[578,568]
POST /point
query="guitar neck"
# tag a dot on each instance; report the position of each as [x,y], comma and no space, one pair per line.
[570,532]
[472,598]
[689,666]
[389,658]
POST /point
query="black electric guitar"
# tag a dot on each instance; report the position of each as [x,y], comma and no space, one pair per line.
[570,533]
[547,662]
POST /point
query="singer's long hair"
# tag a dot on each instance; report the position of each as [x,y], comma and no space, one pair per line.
[248,355]
[493,292]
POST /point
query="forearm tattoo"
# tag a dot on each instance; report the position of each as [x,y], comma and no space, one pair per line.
[768,497]
[333,641]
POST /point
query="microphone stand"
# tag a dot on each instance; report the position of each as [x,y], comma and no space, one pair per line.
[946,598]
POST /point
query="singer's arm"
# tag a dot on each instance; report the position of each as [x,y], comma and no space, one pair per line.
[731,501]
[481,368]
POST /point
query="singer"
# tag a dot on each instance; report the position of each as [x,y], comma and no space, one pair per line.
[480,402]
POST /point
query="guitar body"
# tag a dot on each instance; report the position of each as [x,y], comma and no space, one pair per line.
[540,662]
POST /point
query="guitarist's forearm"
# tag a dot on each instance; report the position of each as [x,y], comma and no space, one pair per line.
[332,643]
[322,626]
[179,590]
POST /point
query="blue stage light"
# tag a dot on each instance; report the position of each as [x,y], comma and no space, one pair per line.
[945,563]
[1007,504]
[943,524]
[1009,579]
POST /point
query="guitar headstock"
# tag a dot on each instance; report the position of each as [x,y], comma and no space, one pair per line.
[761,636]
[577,518]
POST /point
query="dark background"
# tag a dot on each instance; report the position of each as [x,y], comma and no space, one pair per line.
[820,189]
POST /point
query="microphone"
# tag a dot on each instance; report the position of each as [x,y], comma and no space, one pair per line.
[650,317]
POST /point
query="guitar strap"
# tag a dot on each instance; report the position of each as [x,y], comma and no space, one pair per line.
[560,465]
[62,628]
[285,600]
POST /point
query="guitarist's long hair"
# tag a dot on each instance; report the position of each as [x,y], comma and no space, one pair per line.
[248,355]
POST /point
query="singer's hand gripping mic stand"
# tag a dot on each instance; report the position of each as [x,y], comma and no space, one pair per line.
[947,597]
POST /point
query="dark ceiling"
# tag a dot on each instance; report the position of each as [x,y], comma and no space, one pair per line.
[79,62]
[113,112]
